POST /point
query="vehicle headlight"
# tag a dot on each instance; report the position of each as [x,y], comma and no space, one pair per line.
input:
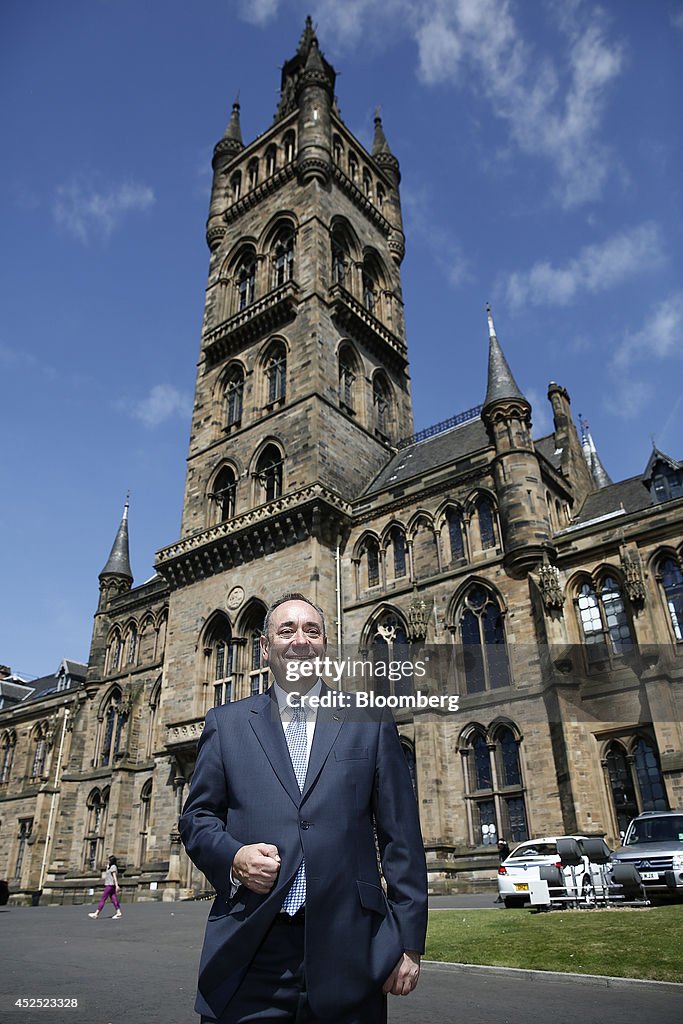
[677,862]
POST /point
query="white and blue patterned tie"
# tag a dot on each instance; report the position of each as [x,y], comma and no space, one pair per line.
[297,742]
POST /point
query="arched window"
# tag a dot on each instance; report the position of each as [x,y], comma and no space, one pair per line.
[339,261]
[337,149]
[398,546]
[115,652]
[671,582]
[372,561]
[236,185]
[145,809]
[288,144]
[224,491]
[132,645]
[269,473]
[234,394]
[604,622]
[487,526]
[381,405]
[381,196]
[353,167]
[25,830]
[493,784]
[347,378]
[483,639]
[39,752]
[271,160]
[367,183]
[649,775]
[390,650]
[219,659]
[283,260]
[276,374]
[246,281]
[9,742]
[455,534]
[256,670]
[112,724]
[369,290]
[622,786]
[97,806]
[252,173]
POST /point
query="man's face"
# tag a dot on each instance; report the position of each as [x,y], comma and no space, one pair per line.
[296,635]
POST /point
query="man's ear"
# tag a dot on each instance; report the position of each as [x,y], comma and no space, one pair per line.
[263,640]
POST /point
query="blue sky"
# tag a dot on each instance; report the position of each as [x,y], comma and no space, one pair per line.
[540,148]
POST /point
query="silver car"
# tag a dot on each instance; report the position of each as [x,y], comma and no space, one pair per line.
[653,844]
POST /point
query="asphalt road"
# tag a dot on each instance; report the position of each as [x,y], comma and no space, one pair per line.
[142,970]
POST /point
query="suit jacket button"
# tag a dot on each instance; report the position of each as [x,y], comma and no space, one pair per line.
[304,824]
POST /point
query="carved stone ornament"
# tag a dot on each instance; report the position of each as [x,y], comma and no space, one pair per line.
[633,578]
[549,585]
[418,618]
[235,598]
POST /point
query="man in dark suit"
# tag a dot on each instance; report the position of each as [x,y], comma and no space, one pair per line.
[282,815]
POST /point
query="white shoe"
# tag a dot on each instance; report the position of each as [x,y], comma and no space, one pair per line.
[95,913]
[117,915]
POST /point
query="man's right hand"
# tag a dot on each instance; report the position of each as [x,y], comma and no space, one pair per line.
[256,866]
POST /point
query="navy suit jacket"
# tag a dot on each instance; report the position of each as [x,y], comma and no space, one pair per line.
[244,791]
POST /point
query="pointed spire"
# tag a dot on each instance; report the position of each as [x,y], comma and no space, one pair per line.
[379,142]
[590,454]
[307,37]
[501,383]
[118,563]
[234,130]
[314,61]
[231,143]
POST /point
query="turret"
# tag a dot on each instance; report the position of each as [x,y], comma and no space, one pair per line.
[116,577]
[573,464]
[225,151]
[386,160]
[315,96]
[521,502]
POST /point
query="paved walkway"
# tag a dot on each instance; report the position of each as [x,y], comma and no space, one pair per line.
[142,970]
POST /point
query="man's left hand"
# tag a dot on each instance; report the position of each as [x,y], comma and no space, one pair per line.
[403,978]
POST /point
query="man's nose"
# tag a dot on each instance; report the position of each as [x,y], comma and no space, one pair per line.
[300,638]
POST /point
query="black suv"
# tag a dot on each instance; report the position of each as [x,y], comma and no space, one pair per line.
[654,845]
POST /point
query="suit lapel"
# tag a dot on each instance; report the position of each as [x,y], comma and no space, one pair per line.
[266,723]
[327,726]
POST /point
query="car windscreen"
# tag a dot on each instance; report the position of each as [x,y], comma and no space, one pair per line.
[534,850]
[667,829]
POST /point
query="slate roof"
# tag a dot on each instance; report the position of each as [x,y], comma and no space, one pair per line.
[631,495]
[545,446]
[426,456]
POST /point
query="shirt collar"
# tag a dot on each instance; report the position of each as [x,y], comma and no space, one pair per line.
[281,696]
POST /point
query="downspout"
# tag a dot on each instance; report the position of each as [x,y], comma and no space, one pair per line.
[339,596]
[53,801]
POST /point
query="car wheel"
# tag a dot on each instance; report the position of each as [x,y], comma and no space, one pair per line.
[511,902]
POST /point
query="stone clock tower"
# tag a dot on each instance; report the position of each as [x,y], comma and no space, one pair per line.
[302,384]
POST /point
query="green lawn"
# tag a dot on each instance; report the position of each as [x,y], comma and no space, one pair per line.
[627,943]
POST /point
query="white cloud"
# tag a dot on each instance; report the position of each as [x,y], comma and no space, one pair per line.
[553,105]
[422,222]
[597,268]
[258,12]
[163,402]
[677,19]
[86,213]
[659,337]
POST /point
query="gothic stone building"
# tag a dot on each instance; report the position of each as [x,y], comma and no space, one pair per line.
[557,594]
